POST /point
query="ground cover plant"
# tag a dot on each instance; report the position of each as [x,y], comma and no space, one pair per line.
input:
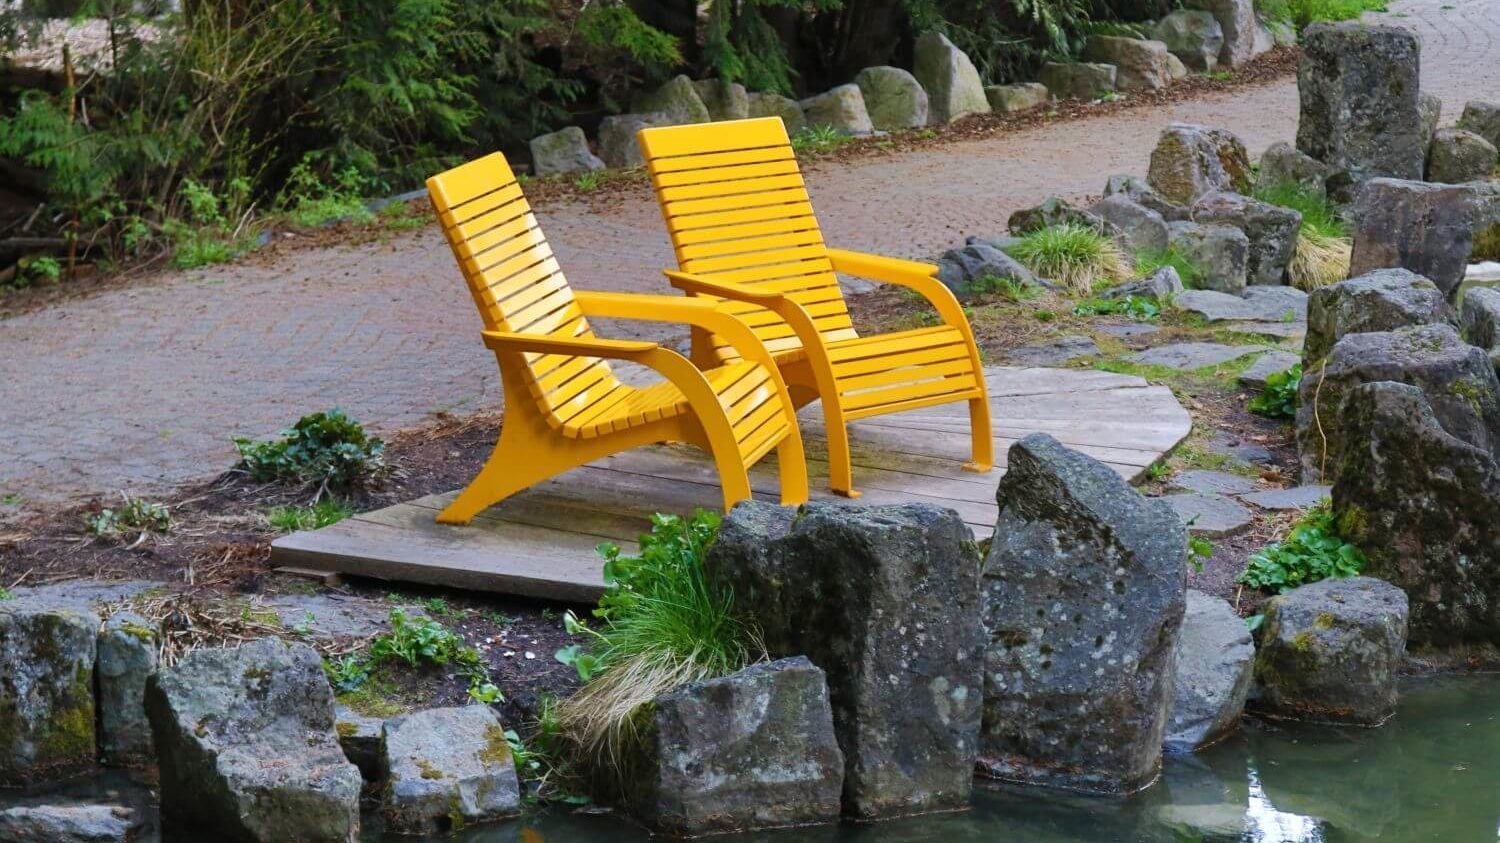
[1077,256]
[134,515]
[1311,551]
[328,449]
[288,518]
[1278,399]
[662,622]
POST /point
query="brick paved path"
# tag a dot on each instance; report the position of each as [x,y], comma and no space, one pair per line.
[143,387]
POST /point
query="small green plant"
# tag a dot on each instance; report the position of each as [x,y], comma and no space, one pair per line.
[40,270]
[1312,551]
[414,642]
[1159,471]
[1109,96]
[1278,399]
[308,201]
[1140,308]
[397,216]
[329,448]
[134,515]
[5,594]
[1200,550]
[1218,75]
[346,673]
[589,181]
[1073,254]
[816,140]
[1044,315]
[1148,261]
[664,623]
[290,519]
[1007,287]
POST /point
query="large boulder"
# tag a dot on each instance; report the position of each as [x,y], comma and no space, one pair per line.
[1282,164]
[677,98]
[47,716]
[1382,300]
[1360,112]
[1078,80]
[1271,229]
[1479,317]
[1483,119]
[1330,651]
[1423,505]
[870,595]
[763,104]
[841,108]
[447,768]
[1237,19]
[1140,65]
[1220,252]
[894,98]
[748,751]
[1012,99]
[977,266]
[1426,228]
[1457,156]
[1083,602]
[954,88]
[1458,379]
[1214,670]
[1189,161]
[617,143]
[67,824]
[246,746]
[1139,227]
[1192,35]
[1142,193]
[563,151]
[1054,210]
[126,659]
[724,100]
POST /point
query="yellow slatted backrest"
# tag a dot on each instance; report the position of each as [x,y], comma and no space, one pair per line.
[737,210]
[515,280]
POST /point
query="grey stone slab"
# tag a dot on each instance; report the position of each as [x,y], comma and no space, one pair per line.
[1260,303]
[1130,329]
[1266,365]
[1210,515]
[1053,352]
[1298,497]
[1285,330]
[1186,356]
[1245,453]
[1213,482]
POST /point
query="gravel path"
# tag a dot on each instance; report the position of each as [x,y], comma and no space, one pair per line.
[139,388]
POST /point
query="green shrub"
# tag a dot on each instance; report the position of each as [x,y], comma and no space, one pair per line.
[1148,261]
[1303,13]
[134,515]
[1312,551]
[289,519]
[663,623]
[1278,399]
[1075,255]
[329,448]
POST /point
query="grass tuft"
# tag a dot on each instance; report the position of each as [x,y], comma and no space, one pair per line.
[1148,261]
[1324,249]
[1077,256]
[290,519]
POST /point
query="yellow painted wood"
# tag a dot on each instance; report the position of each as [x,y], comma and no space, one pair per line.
[743,230]
[564,407]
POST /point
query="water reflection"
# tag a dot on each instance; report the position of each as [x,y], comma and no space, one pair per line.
[1432,774]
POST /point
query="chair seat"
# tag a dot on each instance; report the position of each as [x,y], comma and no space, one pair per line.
[744,389]
[920,366]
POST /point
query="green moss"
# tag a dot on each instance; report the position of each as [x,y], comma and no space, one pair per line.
[70,733]
[142,633]
[1353,522]
[428,771]
[456,820]
[375,698]
[1325,621]
[346,729]
[1302,642]
[496,748]
[1471,393]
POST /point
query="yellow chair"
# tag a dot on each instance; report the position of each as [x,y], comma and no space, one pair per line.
[743,229]
[563,404]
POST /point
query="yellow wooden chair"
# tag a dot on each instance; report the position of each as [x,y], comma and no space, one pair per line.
[744,231]
[564,405]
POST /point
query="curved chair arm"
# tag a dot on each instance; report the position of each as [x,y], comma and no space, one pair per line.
[696,312]
[580,346]
[913,275]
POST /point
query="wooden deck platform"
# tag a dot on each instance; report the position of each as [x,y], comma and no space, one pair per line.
[541,542]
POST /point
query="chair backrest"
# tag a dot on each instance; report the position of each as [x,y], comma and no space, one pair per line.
[737,210]
[516,281]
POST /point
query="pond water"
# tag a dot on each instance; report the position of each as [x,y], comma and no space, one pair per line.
[1432,773]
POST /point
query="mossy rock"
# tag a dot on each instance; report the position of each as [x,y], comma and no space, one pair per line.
[46,691]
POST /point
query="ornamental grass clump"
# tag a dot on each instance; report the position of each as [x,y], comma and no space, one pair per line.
[1324,249]
[664,623]
[1075,255]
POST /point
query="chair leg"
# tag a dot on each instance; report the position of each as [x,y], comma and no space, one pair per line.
[495,482]
[791,464]
[734,480]
[840,465]
[984,442]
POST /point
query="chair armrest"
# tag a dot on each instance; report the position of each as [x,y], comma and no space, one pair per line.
[913,275]
[690,283]
[581,346]
[696,312]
